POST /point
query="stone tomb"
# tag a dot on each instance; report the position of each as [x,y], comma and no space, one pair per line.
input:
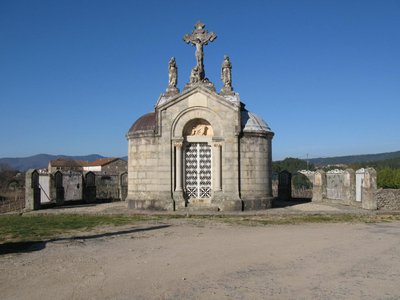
[199,149]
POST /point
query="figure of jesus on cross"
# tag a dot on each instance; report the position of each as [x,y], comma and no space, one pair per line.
[198,38]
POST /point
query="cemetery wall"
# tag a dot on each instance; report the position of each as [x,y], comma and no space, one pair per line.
[64,186]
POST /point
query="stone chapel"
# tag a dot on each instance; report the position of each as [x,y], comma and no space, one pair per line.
[199,149]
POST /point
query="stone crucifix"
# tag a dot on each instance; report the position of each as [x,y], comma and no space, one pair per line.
[198,38]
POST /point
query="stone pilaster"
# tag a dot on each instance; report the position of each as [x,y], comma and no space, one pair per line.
[319,186]
[218,167]
[368,190]
[178,167]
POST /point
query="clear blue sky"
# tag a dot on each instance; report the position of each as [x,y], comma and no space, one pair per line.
[75,75]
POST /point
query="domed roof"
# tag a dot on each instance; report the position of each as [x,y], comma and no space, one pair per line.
[252,123]
[146,122]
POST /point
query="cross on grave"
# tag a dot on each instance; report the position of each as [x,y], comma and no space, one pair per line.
[198,38]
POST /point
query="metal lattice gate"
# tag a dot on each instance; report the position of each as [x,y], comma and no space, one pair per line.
[198,170]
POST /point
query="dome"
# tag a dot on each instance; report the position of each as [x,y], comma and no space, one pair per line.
[252,123]
[146,122]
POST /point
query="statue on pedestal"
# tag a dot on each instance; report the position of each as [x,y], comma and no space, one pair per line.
[226,76]
[172,73]
[172,78]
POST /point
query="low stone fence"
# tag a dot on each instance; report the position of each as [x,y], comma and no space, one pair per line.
[58,187]
[388,199]
[12,201]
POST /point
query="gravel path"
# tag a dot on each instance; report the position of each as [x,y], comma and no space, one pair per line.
[283,208]
[187,259]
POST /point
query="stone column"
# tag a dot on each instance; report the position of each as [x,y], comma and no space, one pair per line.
[178,167]
[218,167]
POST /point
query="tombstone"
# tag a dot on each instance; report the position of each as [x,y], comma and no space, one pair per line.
[285,186]
[341,185]
[32,190]
[58,182]
[72,183]
[89,192]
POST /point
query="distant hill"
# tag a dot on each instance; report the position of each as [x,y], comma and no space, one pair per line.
[41,160]
[354,159]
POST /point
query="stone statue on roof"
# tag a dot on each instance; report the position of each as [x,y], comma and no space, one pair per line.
[226,76]
[172,73]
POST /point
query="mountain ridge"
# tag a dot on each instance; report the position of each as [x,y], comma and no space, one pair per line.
[351,159]
[41,160]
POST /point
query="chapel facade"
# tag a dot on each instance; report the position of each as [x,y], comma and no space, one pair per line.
[200,149]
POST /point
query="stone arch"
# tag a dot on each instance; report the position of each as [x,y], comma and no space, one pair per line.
[197,113]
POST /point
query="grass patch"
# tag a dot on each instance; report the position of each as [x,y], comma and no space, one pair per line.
[15,228]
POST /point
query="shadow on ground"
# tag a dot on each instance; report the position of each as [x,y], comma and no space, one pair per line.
[32,246]
[292,202]
[73,204]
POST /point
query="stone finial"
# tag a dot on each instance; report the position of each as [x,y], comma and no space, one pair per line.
[226,77]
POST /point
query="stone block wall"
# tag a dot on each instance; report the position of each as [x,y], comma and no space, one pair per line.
[149,173]
[388,199]
[254,172]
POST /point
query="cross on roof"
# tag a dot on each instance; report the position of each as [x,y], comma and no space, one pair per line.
[198,38]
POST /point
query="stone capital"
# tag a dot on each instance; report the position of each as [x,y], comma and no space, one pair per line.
[178,145]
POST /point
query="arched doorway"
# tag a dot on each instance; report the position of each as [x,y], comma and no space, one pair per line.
[197,157]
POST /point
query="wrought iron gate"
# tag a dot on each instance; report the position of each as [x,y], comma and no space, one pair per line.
[198,170]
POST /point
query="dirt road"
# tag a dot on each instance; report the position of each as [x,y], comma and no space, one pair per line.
[204,260]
